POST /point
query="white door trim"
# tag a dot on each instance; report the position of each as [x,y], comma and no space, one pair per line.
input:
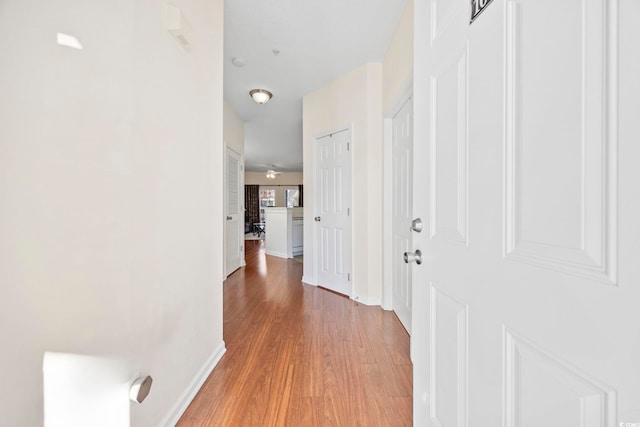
[240,226]
[387,224]
[243,210]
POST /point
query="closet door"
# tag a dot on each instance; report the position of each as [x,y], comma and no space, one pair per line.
[234,213]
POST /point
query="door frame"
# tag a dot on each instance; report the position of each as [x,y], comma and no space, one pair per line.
[404,96]
[316,194]
[240,211]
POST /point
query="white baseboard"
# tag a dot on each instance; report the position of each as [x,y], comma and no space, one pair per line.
[278,254]
[367,301]
[172,417]
[306,281]
[361,300]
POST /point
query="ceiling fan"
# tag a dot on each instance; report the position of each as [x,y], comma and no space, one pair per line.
[271,172]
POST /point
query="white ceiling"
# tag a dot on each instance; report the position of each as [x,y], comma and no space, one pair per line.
[318,40]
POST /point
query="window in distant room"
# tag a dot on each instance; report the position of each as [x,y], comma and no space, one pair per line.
[292,198]
[267,197]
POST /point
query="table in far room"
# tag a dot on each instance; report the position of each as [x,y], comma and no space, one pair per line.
[258,228]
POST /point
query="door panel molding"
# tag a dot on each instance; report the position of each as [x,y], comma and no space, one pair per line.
[581,181]
[530,373]
[448,326]
[442,137]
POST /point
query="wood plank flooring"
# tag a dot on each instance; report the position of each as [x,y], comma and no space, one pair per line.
[298,355]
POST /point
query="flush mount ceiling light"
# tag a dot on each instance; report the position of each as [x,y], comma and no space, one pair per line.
[261,96]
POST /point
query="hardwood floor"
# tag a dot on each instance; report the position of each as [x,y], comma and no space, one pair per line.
[298,355]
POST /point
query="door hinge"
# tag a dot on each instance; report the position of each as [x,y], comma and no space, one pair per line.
[348,277]
[348,212]
[347,146]
[241,248]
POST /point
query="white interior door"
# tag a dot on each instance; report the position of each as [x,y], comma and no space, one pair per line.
[525,307]
[332,166]
[234,237]
[402,211]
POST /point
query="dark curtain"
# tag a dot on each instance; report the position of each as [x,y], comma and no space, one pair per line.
[300,195]
[252,203]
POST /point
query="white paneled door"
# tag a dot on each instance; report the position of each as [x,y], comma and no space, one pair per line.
[402,197]
[526,173]
[234,216]
[332,168]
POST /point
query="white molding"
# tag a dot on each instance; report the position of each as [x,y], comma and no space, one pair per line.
[367,301]
[309,282]
[387,216]
[401,98]
[277,254]
[461,383]
[597,400]
[458,64]
[230,152]
[333,131]
[183,402]
[595,257]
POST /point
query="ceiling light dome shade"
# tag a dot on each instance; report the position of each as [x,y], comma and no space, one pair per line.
[261,96]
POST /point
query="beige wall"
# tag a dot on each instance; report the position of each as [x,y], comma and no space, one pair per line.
[281,182]
[284,178]
[355,100]
[233,130]
[398,62]
[361,99]
[110,181]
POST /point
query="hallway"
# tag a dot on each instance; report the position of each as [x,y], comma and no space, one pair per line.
[298,355]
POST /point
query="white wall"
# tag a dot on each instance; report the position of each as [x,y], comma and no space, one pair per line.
[110,190]
[233,129]
[354,99]
[397,74]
